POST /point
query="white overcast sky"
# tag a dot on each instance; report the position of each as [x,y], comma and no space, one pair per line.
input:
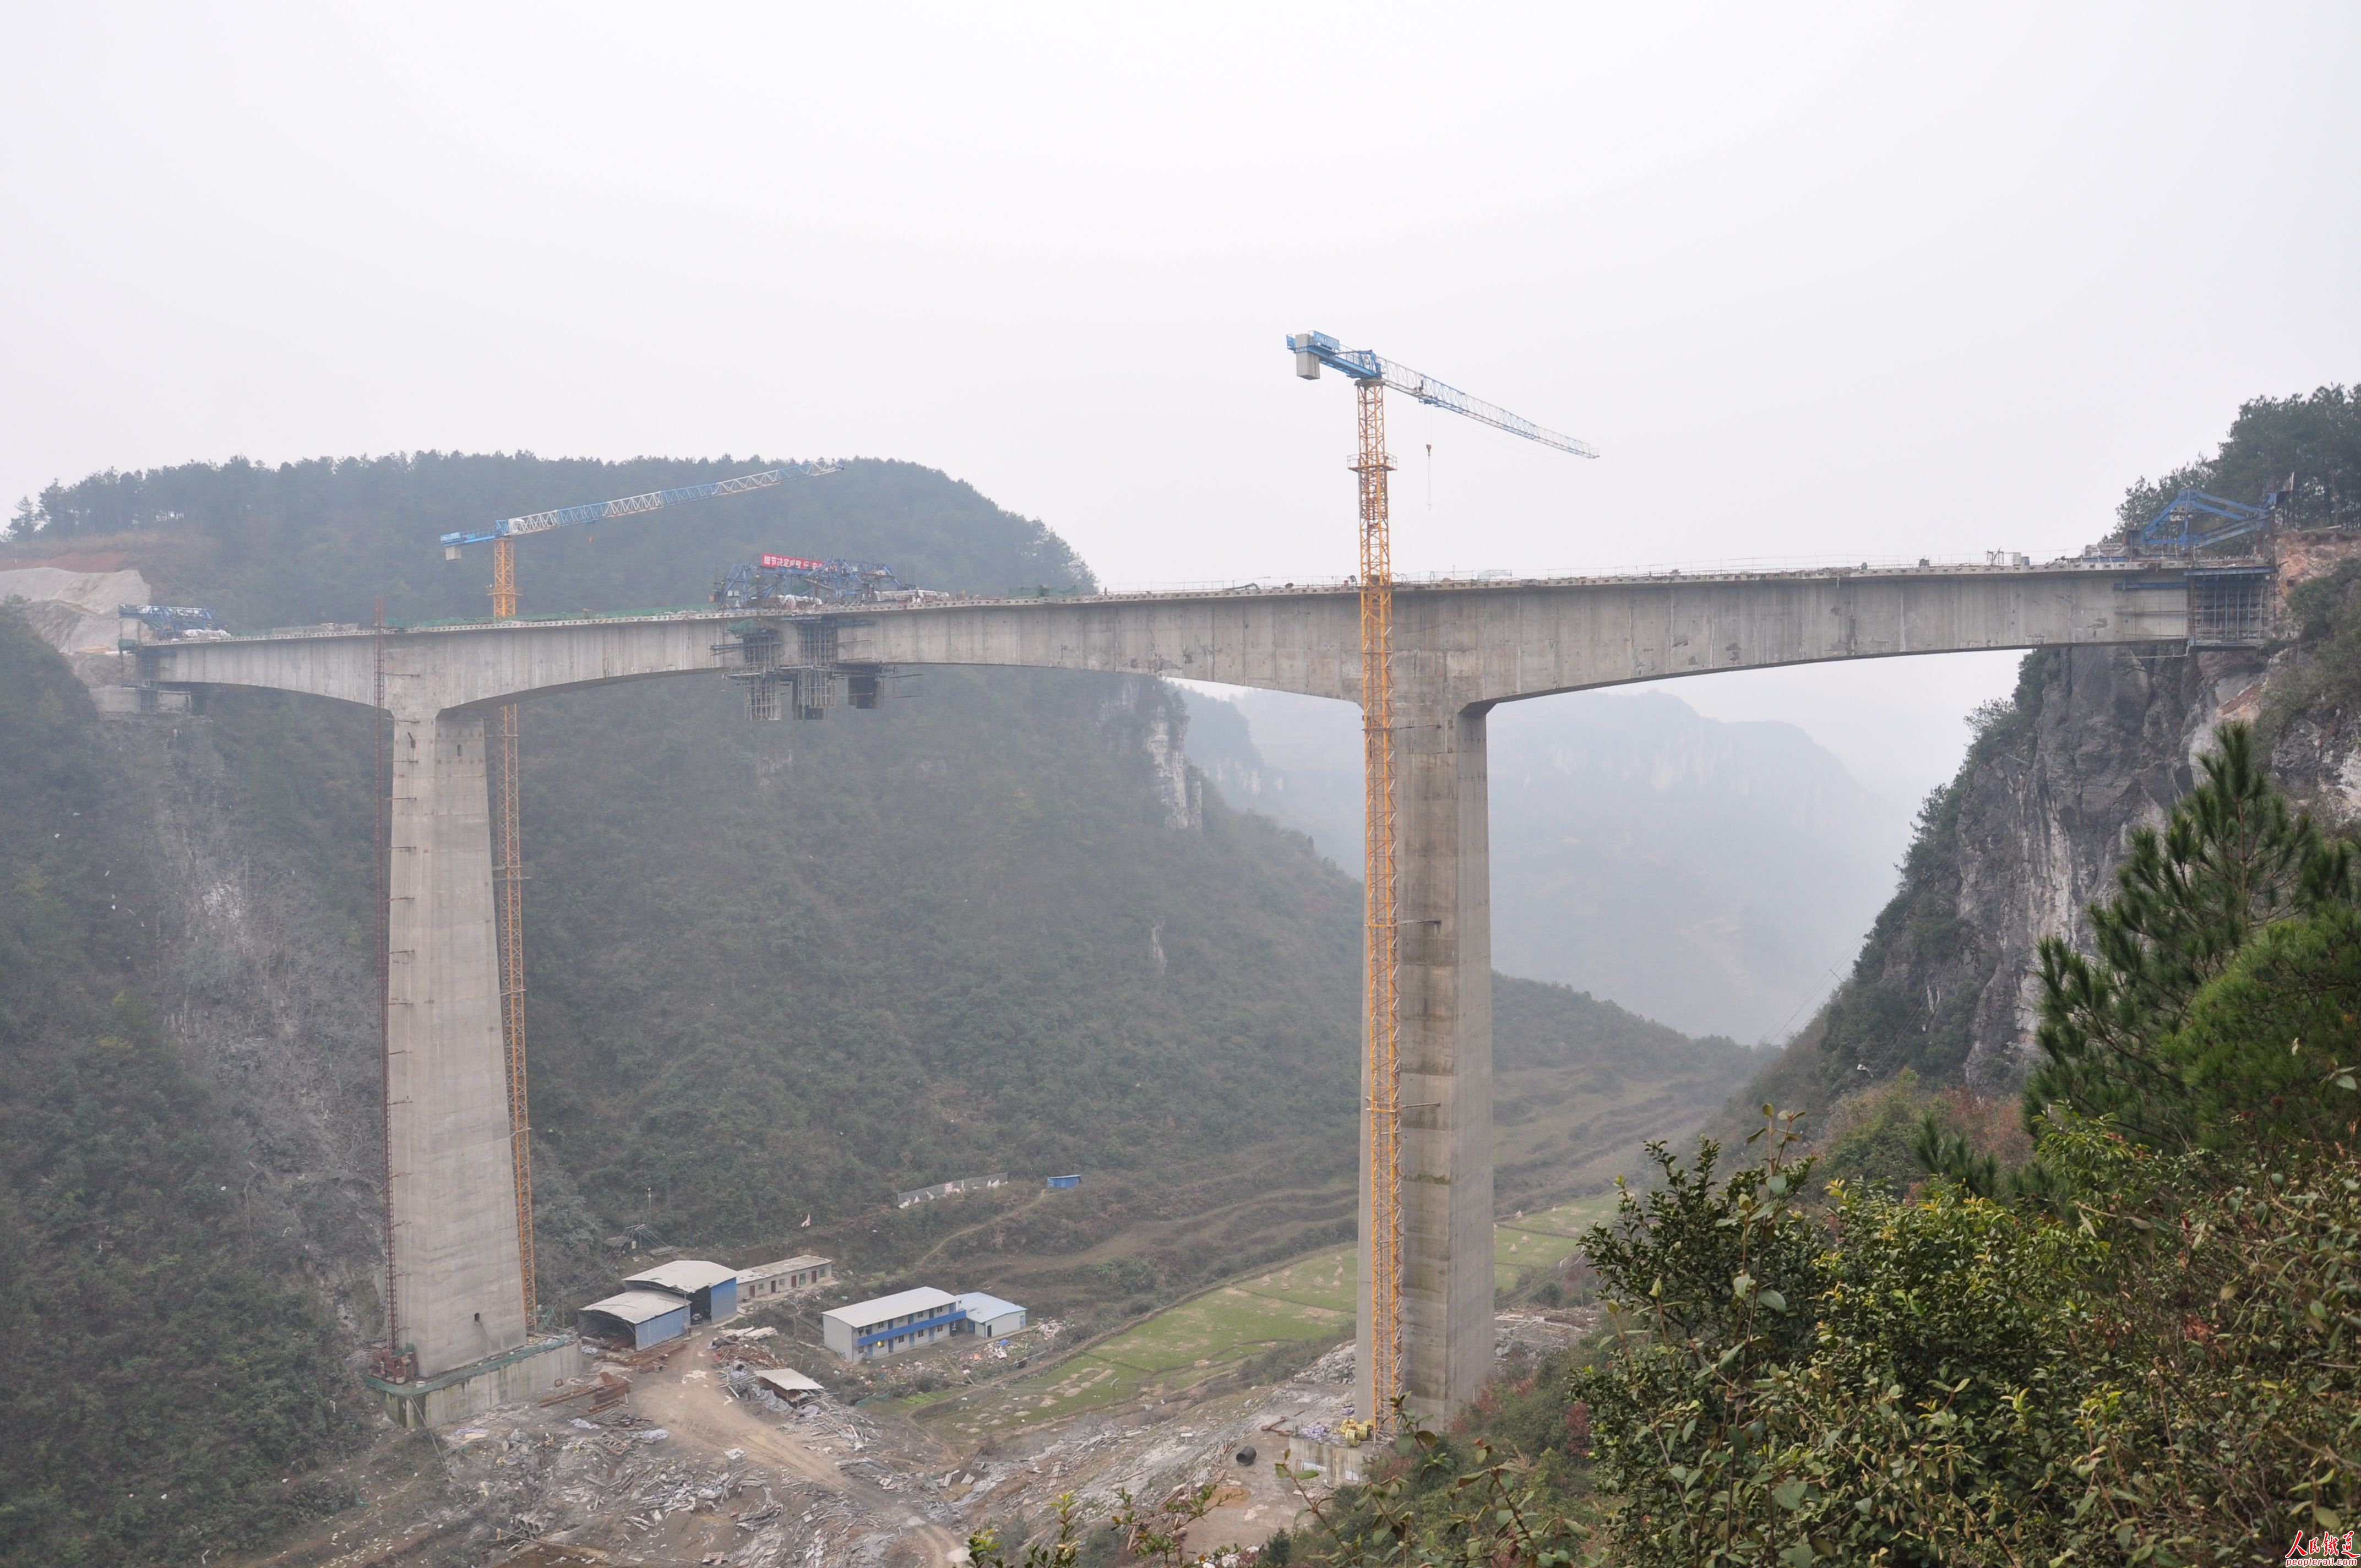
[1818,282]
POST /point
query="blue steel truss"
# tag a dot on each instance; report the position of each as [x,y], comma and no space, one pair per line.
[631,506]
[2179,526]
[1313,349]
[172,620]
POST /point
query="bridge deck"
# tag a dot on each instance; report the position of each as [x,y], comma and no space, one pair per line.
[1461,647]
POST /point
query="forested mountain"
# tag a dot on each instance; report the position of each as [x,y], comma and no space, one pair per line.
[317,541]
[163,1363]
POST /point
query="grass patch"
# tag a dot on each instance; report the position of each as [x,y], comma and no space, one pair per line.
[1544,1238]
[1309,1299]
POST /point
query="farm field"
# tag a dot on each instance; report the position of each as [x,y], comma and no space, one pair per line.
[1545,1237]
[1308,1299]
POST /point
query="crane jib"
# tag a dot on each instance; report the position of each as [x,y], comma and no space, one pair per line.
[631,506]
[1363,366]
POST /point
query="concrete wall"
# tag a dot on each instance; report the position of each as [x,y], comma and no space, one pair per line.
[437,1402]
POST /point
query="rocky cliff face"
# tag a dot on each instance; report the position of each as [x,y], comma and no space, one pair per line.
[2096,743]
[1149,716]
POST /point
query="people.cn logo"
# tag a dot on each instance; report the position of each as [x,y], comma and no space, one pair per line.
[2323,1551]
[793,563]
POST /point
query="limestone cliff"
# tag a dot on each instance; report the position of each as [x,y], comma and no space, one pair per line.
[2095,744]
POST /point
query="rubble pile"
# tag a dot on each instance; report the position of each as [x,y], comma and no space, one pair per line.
[1336,1366]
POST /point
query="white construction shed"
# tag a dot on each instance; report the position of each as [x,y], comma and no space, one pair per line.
[766,1281]
[988,1317]
[709,1288]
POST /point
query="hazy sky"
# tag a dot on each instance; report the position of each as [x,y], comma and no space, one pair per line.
[1818,282]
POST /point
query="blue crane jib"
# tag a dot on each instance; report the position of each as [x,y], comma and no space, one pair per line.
[629,506]
[1313,349]
[2181,524]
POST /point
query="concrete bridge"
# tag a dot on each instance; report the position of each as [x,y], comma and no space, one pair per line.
[1461,647]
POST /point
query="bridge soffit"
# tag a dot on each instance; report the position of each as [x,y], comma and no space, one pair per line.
[1455,647]
[1478,649]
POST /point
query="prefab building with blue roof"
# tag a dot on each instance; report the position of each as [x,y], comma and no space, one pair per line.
[709,1288]
[642,1317]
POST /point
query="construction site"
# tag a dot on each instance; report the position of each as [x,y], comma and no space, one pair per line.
[700,1413]
[721,1447]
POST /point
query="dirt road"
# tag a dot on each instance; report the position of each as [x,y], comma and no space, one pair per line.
[687,1399]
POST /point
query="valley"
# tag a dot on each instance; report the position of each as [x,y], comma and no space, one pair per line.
[749,945]
[779,974]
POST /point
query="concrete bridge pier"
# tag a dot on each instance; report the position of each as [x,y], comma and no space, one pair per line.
[457,1272]
[1443,896]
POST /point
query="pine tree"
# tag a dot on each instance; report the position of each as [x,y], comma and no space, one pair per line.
[2162,1031]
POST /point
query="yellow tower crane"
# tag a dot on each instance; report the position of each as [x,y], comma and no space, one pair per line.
[508,829]
[1381,1013]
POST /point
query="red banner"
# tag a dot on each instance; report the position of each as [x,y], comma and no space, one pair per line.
[793,563]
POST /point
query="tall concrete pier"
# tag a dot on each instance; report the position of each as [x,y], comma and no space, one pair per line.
[454,1201]
[1461,649]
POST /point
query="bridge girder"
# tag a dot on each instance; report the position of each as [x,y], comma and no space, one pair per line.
[1460,649]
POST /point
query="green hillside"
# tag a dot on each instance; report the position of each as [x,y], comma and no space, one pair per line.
[781,969]
[163,1370]
[317,541]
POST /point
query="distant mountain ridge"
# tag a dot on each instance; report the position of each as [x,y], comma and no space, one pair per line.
[1718,876]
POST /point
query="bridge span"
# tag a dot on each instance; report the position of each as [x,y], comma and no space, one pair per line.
[1460,649]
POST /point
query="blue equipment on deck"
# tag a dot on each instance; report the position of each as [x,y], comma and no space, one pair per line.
[2180,526]
[771,580]
[172,621]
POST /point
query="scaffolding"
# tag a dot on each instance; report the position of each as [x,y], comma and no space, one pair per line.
[1381,1009]
[508,891]
[790,665]
[2229,607]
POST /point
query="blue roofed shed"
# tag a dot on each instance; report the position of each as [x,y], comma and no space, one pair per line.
[709,1288]
[643,1317]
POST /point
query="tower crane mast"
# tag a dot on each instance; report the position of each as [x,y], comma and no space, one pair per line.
[1381,1068]
[507,868]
